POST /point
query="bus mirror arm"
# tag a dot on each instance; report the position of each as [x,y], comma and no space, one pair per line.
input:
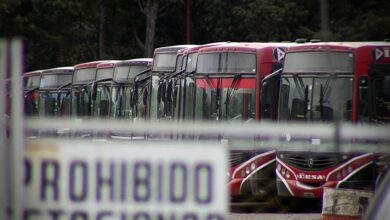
[31,90]
[174,74]
[93,90]
[276,73]
[189,73]
[143,72]
[137,78]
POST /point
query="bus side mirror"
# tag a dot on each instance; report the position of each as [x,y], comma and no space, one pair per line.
[159,93]
[145,98]
[169,90]
[386,87]
[93,90]
[132,99]
[163,87]
[174,96]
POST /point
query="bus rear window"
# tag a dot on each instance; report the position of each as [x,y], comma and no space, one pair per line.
[315,62]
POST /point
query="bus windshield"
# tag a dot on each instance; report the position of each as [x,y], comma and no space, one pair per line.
[217,100]
[102,103]
[81,100]
[121,101]
[316,97]
[55,103]
[381,103]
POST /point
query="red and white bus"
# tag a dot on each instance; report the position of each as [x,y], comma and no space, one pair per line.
[124,102]
[101,89]
[54,92]
[332,82]
[181,83]
[31,82]
[84,75]
[164,64]
[227,88]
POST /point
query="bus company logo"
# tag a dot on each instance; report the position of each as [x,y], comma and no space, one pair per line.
[378,53]
[310,162]
[279,53]
[303,176]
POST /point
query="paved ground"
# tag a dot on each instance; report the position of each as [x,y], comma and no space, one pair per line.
[265,216]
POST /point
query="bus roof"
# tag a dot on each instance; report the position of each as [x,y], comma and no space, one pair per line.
[134,62]
[108,64]
[91,64]
[59,70]
[243,47]
[172,49]
[342,46]
[196,48]
[32,73]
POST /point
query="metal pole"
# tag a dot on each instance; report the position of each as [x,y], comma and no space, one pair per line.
[324,20]
[17,131]
[189,22]
[3,140]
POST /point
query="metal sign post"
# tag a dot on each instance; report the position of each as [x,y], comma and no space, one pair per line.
[3,104]
[17,128]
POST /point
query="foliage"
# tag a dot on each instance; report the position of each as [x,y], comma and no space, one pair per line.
[66,32]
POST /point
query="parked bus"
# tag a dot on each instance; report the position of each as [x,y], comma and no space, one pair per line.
[164,63]
[331,82]
[55,93]
[181,83]
[123,97]
[31,81]
[166,91]
[84,75]
[227,79]
[101,89]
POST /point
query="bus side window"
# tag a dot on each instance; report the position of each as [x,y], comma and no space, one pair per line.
[362,99]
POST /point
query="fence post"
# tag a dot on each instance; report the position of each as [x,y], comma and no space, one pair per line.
[17,128]
[337,140]
[3,129]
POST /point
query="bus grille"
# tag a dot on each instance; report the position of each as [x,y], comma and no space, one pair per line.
[312,162]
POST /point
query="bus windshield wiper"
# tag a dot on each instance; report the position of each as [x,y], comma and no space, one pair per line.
[32,90]
[232,88]
[300,85]
[103,80]
[325,92]
[208,81]
[64,86]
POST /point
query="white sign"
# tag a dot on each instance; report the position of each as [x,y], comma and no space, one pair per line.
[125,180]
